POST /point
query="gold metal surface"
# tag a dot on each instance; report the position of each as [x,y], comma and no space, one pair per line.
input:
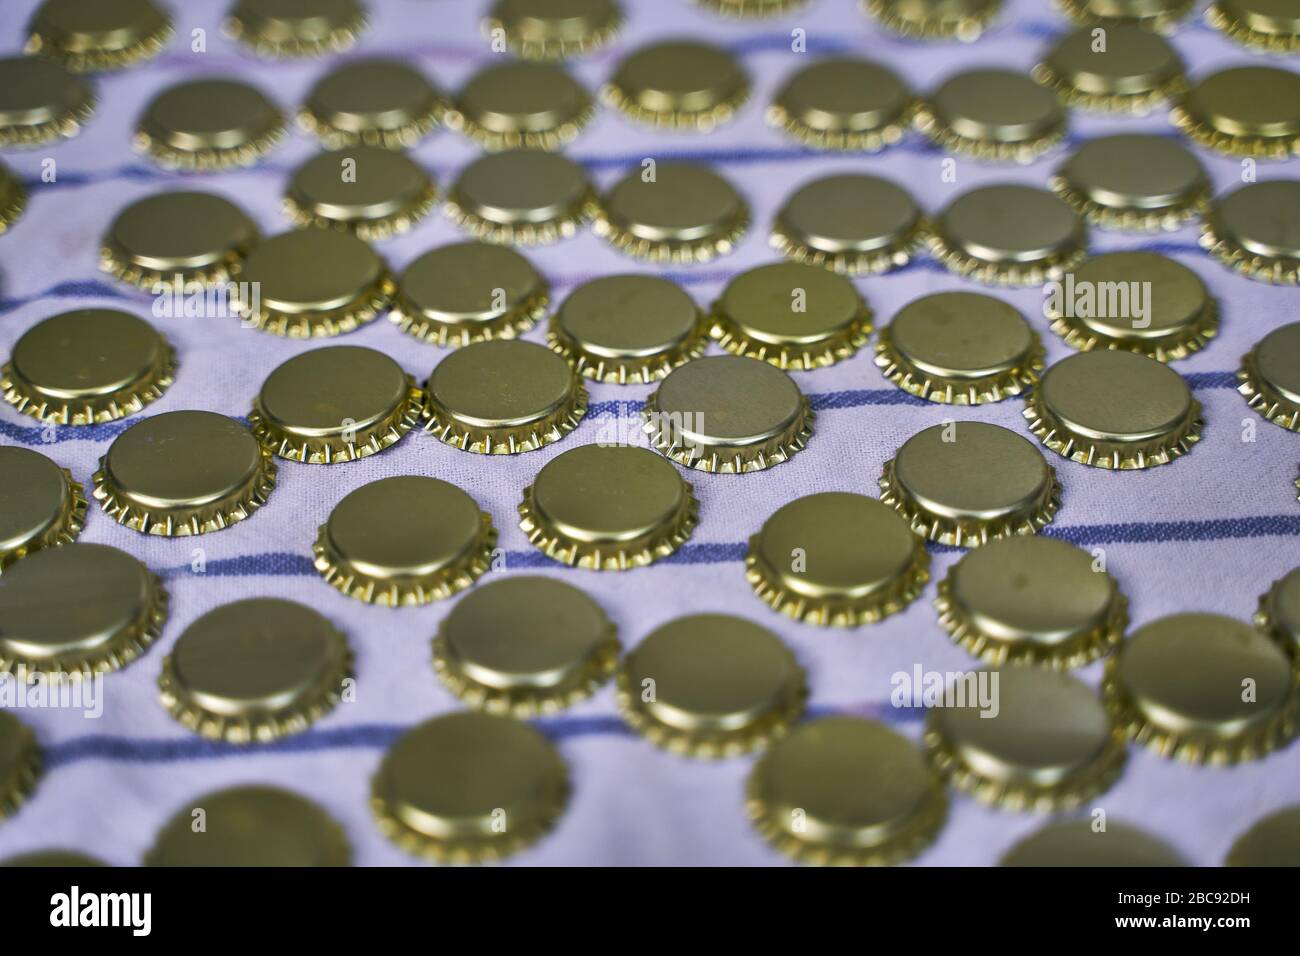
[104,35]
[1080,843]
[1160,16]
[521,106]
[20,763]
[1272,841]
[680,84]
[1255,230]
[41,101]
[521,196]
[1271,25]
[288,29]
[375,101]
[1243,111]
[374,192]
[1134,72]
[208,125]
[13,198]
[41,506]
[1270,376]
[845,103]
[964,20]
[553,29]
[751,9]
[52,858]
[1279,612]
[992,114]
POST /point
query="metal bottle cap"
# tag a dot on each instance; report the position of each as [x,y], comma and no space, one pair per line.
[285,29]
[1270,25]
[1279,612]
[40,101]
[1134,72]
[20,763]
[1243,111]
[523,196]
[373,192]
[844,103]
[521,106]
[1160,16]
[751,8]
[678,83]
[13,198]
[553,29]
[1270,376]
[375,101]
[60,858]
[209,125]
[41,506]
[1080,843]
[964,20]
[105,35]
[1255,230]
[993,114]
[1272,841]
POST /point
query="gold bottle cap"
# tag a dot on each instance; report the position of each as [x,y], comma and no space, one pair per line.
[1272,841]
[251,826]
[628,329]
[844,103]
[522,196]
[312,283]
[1045,742]
[991,114]
[1272,25]
[1203,688]
[1279,612]
[791,315]
[1034,600]
[1077,843]
[60,858]
[1243,111]
[335,404]
[686,213]
[845,791]
[13,198]
[521,106]
[198,236]
[960,348]
[1114,409]
[503,397]
[20,763]
[78,610]
[1133,181]
[1009,235]
[1160,16]
[525,646]
[469,291]
[850,223]
[405,540]
[1253,230]
[375,101]
[209,125]
[681,84]
[285,29]
[711,685]
[373,192]
[40,101]
[932,19]
[965,483]
[751,8]
[41,506]
[1181,315]
[87,367]
[255,670]
[608,508]
[1136,71]
[184,473]
[837,559]
[728,414]
[553,29]
[104,35]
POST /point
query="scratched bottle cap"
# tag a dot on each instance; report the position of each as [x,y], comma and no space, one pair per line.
[59,858]
[373,192]
[1203,688]
[1009,235]
[608,508]
[197,236]
[553,29]
[1253,230]
[524,646]
[283,29]
[208,125]
[13,198]
[335,404]
[42,506]
[521,196]
[521,106]
[184,473]
[1133,181]
[20,763]
[844,103]
[373,101]
[1080,843]
[87,367]
[628,329]
[791,315]
[255,670]
[78,610]
[960,348]
[105,35]
[1243,111]
[40,101]
[1135,72]
[1160,16]
[994,115]
[845,791]
[728,414]
[405,540]
[503,397]
[1272,841]
[680,84]
[1044,741]
[309,283]
[1178,318]
[711,685]
[469,787]
[837,559]
[469,291]
[685,213]
[1114,409]
[1032,600]
[1279,612]
[850,223]
[1271,25]
[250,826]
[751,8]
[965,483]
[1269,376]
[964,20]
